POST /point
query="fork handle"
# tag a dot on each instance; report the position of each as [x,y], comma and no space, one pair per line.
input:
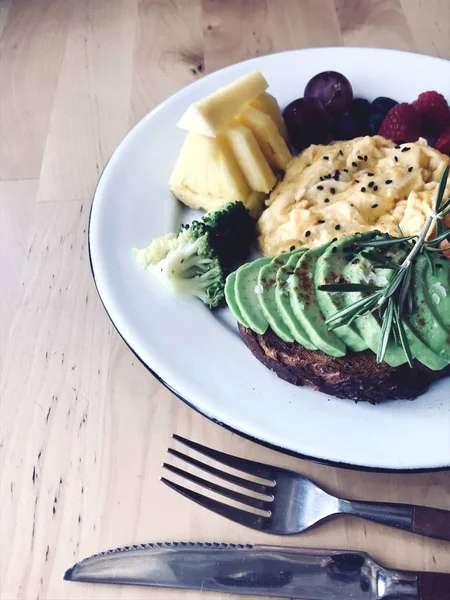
[423,520]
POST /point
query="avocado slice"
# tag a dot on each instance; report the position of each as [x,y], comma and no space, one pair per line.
[426,317]
[329,268]
[230,297]
[305,307]
[369,325]
[283,301]
[437,286]
[267,278]
[246,290]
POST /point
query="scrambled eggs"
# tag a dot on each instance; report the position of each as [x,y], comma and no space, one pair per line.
[358,185]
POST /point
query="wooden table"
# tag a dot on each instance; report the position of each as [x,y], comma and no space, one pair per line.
[84,426]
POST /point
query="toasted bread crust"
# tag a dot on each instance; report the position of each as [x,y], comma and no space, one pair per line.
[356,376]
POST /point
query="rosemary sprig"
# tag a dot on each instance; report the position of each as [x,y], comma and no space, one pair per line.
[395,299]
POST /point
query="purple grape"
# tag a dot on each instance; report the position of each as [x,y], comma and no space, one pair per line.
[307,122]
[332,89]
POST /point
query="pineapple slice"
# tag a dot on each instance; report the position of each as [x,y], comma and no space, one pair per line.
[212,114]
[268,104]
[255,167]
[266,133]
[207,175]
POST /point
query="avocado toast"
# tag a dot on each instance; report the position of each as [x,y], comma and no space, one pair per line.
[372,309]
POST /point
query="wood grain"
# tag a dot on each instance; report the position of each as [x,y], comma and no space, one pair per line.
[84,427]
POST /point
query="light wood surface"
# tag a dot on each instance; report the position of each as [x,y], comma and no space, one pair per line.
[84,426]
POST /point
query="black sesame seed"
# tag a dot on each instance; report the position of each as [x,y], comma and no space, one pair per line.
[341,280]
[354,164]
[332,190]
[396,158]
[363,189]
[321,221]
[375,188]
[370,174]
[360,157]
[410,169]
[406,148]
[371,183]
[355,261]
[374,205]
[326,158]
[337,227]
[307,233]
[321,178]
[341,153]
[328,176]
[292,248]
[320,187]
[356,180]
[365,156]
[326,200]
[345,170]
[397,147]
[388,181]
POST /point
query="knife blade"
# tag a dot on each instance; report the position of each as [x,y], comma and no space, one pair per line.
[275,571]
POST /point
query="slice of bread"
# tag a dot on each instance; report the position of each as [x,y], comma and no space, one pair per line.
[356,376]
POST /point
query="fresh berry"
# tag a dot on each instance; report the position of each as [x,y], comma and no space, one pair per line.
[360,110]
[434,110]
[443,142]
[345,128]
[375,121]
[307,122]
[402,123]
[332,89]
[383,105]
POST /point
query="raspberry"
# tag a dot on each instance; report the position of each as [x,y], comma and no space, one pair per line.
[443,142]
[402,124]
[434,110]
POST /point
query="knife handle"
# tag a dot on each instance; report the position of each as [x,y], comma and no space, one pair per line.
[434,586]
[432,522]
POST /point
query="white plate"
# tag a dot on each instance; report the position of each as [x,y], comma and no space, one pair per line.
[198,354]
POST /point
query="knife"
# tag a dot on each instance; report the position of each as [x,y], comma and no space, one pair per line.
[276,571]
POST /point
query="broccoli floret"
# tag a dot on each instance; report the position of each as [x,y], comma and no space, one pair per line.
[232,232]
[196,259]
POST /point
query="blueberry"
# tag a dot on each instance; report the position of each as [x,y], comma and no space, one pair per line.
[345,128]
[375,121]
[383,105]
[360,110]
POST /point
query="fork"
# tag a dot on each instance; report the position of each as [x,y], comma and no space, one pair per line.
[292,502]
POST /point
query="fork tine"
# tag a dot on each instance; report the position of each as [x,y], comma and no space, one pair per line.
[214,487]
[247,466]
[229,512]
[245,483]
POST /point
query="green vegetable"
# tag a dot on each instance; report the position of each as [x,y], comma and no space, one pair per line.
[196,260]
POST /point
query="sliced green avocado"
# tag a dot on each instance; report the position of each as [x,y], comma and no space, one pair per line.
[230,297]
[305,307]
[426,317]
[437,286]
[369,326]
[329,268]
[282,298]
[267,279]
[246,290]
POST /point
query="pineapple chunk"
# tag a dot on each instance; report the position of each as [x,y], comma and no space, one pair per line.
[266,133]
[255,167]
[206,176]
[268,104]
[212,114]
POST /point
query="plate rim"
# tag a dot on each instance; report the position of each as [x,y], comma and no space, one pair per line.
[282,450]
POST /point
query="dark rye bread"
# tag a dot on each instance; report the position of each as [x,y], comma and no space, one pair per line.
[357,375]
